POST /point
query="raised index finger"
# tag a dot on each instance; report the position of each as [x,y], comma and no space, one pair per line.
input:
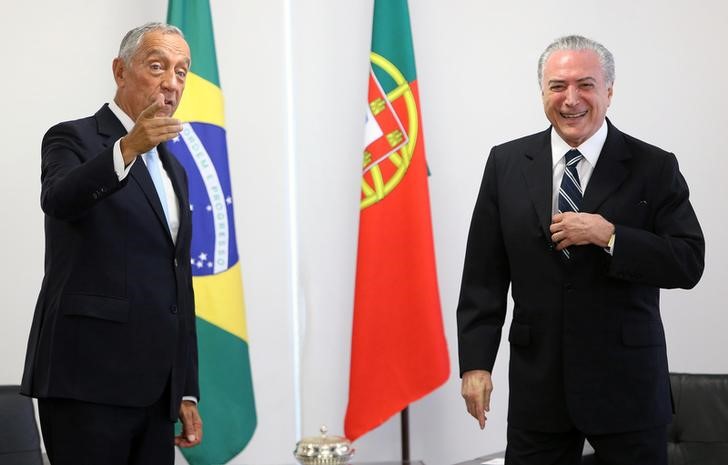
[152,109]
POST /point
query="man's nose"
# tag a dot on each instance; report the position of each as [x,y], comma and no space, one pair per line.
[572,95]
[170,81]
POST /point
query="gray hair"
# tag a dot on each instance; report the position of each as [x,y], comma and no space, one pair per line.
[131,41]
[574,42]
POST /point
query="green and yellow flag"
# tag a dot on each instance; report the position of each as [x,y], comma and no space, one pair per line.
[227,406]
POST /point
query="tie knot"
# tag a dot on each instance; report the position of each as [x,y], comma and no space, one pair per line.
[151,159]
[572,157]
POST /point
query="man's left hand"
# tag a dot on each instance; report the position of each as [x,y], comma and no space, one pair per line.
[572,228]
[191,434]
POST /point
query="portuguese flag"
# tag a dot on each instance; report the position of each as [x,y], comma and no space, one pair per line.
[227,405]
[399,352]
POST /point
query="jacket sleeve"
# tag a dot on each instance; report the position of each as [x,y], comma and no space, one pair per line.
[192,385]
[73,176]
[672,253]
[486,277]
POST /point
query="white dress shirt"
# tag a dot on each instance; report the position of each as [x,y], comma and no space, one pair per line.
[590,150]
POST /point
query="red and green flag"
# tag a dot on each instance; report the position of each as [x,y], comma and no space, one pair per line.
[399,353]
[227,405]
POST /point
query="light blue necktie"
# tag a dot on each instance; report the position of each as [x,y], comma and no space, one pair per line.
[155,171]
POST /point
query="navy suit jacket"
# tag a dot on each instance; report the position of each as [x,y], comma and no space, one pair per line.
[587,345]
[115,321]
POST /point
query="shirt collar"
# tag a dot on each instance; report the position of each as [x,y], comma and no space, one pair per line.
[590,149]
[123,117]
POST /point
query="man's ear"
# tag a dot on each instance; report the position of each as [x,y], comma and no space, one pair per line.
[118,67]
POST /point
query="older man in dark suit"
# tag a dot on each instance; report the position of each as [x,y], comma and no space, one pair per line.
[585,224]
[112,350]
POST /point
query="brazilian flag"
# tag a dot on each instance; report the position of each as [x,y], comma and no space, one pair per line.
[227,406]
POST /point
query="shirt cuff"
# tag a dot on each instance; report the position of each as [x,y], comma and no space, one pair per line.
[119,168]
[190,398]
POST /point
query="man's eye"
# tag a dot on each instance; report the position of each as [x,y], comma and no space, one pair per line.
[558,88]
[155,67]
[182,74]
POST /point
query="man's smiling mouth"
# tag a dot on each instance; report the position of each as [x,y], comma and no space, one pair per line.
[574,115]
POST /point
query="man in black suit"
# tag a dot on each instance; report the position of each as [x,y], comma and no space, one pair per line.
[112,350]
[585,240]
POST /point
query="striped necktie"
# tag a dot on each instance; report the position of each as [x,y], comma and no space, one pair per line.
[570,193]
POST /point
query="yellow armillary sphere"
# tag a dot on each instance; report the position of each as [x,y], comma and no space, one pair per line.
[379,187]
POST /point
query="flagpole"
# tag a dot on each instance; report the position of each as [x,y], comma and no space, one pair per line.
[404,416]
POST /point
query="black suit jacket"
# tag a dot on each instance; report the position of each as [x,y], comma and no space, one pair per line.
[587,342]
[115,320]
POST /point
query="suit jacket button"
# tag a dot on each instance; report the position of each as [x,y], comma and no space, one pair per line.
[95,195]
[173,309]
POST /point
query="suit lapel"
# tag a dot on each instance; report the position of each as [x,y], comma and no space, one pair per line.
[537,171]
[108,126]
[141,176]
[177,176]
[610,171]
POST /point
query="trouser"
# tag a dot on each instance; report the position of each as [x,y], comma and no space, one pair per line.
[647,447]
[84,433]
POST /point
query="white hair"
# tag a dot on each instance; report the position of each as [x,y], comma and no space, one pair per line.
[574,42]
[131,41]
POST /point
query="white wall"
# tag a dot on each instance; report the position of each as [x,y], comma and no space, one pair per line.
[476,68]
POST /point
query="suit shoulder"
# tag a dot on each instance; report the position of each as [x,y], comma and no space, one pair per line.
[644,149]
[97,127]
[524,142]
[102,122]
[72,127]
[523,145]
